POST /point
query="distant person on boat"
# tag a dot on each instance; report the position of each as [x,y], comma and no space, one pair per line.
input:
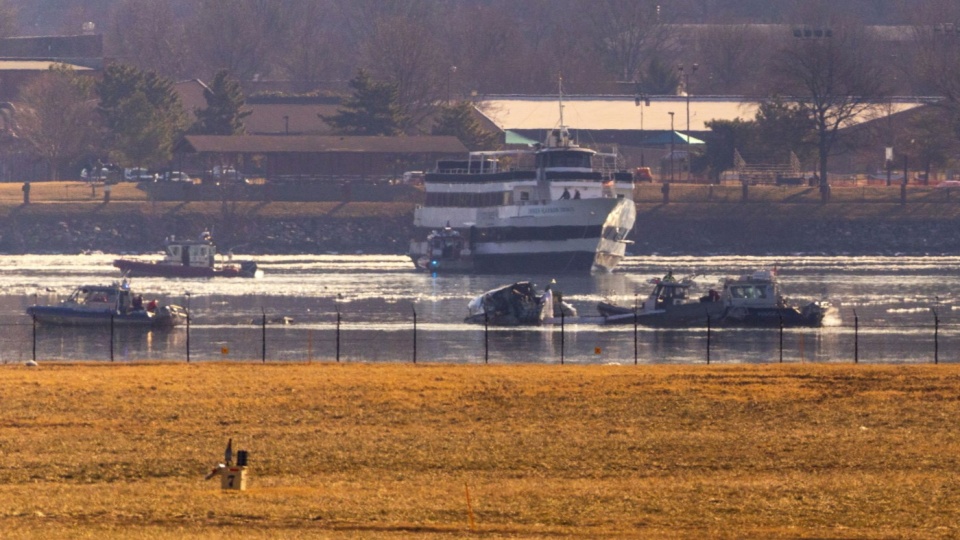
[576,194]
[669,277]
[566,194]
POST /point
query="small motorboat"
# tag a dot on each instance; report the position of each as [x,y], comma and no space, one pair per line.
[668,305]
[94,305]
[519,304]
[445,250]
[188,259]
[756,300]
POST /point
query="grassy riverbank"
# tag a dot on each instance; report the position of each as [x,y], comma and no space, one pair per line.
[375,451]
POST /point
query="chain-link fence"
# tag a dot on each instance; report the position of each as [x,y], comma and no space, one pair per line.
[344,337]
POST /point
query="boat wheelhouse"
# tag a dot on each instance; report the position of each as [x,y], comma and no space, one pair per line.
[188,258]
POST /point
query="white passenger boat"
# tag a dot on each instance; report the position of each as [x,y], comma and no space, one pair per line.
[556,208]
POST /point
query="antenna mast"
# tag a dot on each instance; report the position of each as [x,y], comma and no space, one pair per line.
[560,86]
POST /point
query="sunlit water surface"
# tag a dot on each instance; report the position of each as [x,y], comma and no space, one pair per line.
[885,310]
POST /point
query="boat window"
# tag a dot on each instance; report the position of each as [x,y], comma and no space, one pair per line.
[203,251]
[175,250]
[761,292]
[524,195]
[736,292]
[564,159]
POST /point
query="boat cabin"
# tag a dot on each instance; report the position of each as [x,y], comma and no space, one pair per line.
[669,293]
[117,297]
[759,289]
[190,253]
[447,245]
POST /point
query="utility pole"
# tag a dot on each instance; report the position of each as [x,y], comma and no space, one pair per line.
[685,77]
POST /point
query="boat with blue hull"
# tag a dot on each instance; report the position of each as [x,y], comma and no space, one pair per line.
[102,305]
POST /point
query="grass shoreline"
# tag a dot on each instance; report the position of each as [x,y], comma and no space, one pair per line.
[390,450]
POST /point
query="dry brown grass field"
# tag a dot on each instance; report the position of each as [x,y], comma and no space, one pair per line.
[393,450]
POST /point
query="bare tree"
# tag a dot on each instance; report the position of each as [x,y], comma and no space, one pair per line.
[833,80]
[240,36]
[625,33]
[313,51]
[729,56]
[148,34]
[58,117]
[937,38]
[8,19]
[404,52]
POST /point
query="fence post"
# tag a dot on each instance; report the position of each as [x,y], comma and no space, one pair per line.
[856,338]
[34,317]
[189,316]
[781,338]
[562,329]
[111,337]
[263,336]
[936,337]
[414,308]
[337,305]
[486,337]
[708,339]
[636,307]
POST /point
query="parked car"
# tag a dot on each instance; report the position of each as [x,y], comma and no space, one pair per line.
[225,174]
[175,176]
[643,174]
[94,175]
[137,174]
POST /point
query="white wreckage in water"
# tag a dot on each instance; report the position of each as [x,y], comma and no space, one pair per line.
[519,304]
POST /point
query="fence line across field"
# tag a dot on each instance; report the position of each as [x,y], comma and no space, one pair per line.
[339,338]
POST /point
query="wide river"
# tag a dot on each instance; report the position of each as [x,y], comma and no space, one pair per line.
[885,310]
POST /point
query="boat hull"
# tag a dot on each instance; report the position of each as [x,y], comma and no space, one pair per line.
[149,269]
[61,316]
[714,314]
[577,236]
[811,315]
[694,314]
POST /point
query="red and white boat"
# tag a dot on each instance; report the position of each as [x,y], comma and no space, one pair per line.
[190,259]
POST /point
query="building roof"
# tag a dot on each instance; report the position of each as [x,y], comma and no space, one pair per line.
[36,65]
[264,144]
[282,118]
[82,46]
[622,113]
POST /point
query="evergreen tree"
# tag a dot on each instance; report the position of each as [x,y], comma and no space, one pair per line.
[458,120]
[659,78]
[224,113]
[142,114]
[373,109]
[726,137]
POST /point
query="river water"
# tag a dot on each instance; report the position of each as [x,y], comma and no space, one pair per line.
[885,310]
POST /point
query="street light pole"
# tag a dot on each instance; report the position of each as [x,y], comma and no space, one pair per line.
[672,136]
[685,77]
[642,100]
